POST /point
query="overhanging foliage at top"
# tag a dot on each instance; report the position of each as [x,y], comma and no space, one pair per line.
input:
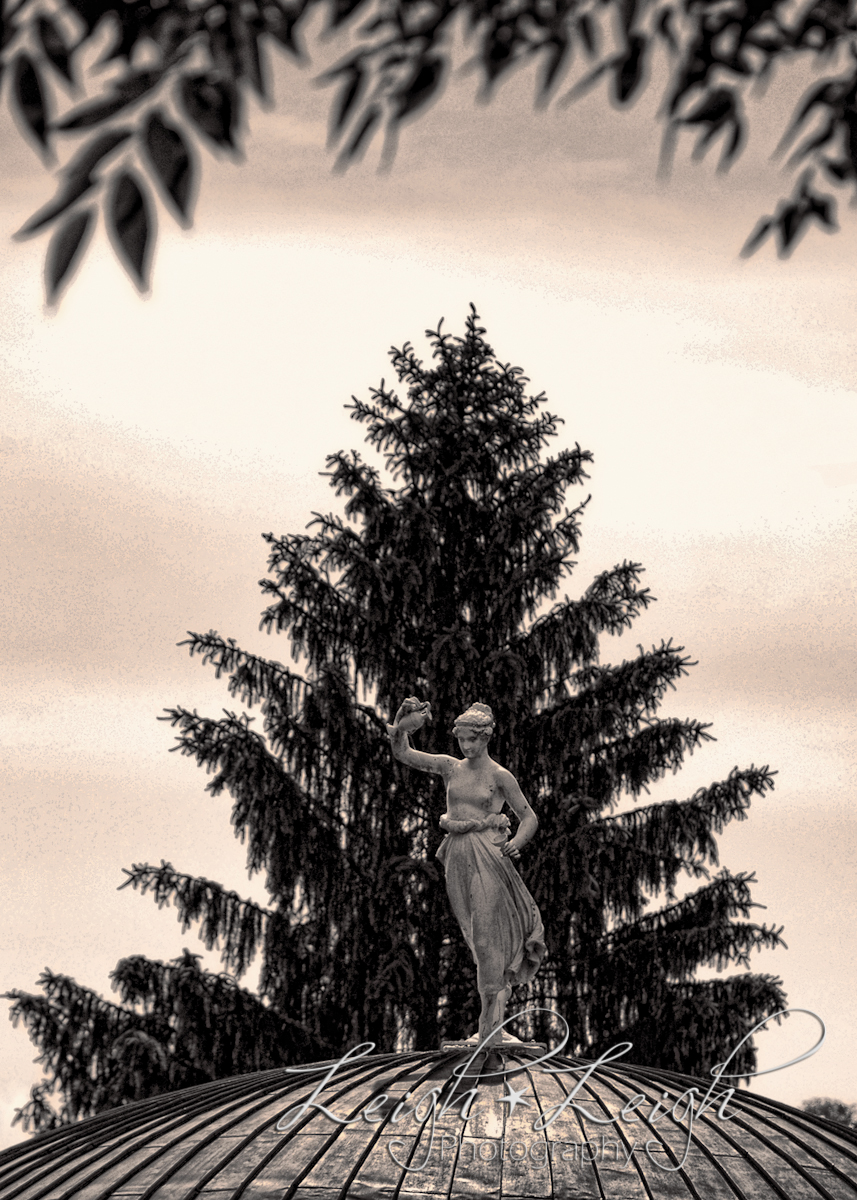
[178,73]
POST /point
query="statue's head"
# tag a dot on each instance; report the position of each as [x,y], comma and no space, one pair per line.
[478,720]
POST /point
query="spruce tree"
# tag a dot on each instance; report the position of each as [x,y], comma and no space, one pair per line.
[436,580]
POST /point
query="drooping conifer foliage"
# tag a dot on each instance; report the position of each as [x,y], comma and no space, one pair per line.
[439,577]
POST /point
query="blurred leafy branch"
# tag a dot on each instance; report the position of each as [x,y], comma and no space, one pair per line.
[178,72]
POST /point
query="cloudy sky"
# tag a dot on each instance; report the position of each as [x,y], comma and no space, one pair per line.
[147,444]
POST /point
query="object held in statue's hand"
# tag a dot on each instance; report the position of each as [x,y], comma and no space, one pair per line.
[413,714]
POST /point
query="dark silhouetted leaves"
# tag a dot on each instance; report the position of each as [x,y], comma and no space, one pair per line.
[91,12]
[588,34]
[421,88]
[629,70]
[792,219]
[665,29]
[65,249]
[30,97]
[213,107]
[361,138]
[499,50]
[171,158]
[280,21]
[583,85]
[834,103]
[78,178]
[243,47]
[54,47]
[557,57]
[347,98]
[127,91]
[341,10]
[717,111]
[128,221]
[832,95]
[716,51]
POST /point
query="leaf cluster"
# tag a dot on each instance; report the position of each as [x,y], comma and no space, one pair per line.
[832,1110]
[180,73]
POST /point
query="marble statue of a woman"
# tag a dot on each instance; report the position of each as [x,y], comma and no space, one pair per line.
[498,916]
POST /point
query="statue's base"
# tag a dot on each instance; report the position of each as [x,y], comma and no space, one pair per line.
[508,1044]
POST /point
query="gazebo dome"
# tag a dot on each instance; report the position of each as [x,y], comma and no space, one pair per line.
[625,1133]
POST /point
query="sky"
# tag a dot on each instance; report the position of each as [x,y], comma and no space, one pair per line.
[148,443]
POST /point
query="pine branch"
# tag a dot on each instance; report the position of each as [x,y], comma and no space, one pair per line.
[294,710]
[484,400]
[38,1113]
[76,1030]
[717,804]
[239,925]
[636,687]
[627,977]
[62,992]
[367,500]
[217,1028]
[698,930]
[567,636]
[648,847]
[526,580]
[691,1027]
[318,616]
[252,679]
[540,487]
[608,706]
[289,833]
[574,758]
[634,762]
[311,842]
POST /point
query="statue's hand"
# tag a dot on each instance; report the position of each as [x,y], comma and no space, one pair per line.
[412,714]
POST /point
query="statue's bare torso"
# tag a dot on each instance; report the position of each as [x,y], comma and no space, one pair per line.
[472,792]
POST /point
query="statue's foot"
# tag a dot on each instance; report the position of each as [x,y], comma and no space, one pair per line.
[493,1064]
[505,1039]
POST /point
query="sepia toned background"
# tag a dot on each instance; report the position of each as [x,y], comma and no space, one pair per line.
[148,443]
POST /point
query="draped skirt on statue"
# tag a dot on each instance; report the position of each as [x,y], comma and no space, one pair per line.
[498,916]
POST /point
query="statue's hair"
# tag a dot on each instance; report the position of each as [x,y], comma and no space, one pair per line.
[478,717]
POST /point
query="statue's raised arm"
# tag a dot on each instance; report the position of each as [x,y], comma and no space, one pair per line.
[412,714]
